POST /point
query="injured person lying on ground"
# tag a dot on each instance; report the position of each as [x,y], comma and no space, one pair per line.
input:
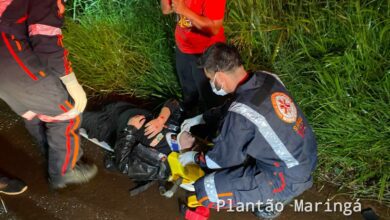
[137,150]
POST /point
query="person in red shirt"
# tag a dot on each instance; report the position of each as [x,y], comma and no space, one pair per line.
[200,25]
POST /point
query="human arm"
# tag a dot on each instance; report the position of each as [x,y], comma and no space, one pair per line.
[216,114]
[156,125]
[212,19]
[230,145]
[166,7]
[211,117]
[45,20]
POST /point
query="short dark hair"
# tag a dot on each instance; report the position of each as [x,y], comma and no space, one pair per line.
[220,57]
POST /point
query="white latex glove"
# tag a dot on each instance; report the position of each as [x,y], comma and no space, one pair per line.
[188,158]
[75,91]
[187,124]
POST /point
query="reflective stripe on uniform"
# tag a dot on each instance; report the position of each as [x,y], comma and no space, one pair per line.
[211,163]
[211,189]
[68,144]
[266,130]
[41,29]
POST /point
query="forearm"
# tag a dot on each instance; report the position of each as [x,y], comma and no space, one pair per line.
[230,146]
[166,7]
[214,115]
[203,23]
[164,115]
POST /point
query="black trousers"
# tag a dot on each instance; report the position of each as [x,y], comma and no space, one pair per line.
[195,86]
[27,86]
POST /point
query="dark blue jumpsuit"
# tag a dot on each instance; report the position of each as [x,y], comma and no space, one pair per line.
[32,60]
[265,150]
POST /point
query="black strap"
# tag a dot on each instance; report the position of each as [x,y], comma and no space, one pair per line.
[263,93]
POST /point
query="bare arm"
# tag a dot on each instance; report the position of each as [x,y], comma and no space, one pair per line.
[166,7]
[156,125]
[202,23]
[164,115]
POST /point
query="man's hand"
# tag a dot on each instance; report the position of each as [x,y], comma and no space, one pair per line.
[137,121]
[187,124]
[75,91]
[154,127]
[188,158]
[179,7]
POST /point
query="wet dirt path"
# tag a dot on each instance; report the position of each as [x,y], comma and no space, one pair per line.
[106,196]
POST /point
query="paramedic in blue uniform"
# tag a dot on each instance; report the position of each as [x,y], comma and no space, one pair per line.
[265,150]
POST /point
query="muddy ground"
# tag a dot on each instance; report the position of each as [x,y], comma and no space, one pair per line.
[106,196]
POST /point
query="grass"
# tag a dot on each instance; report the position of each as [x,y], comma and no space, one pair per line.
[334,58]
[118,47]
[332,55]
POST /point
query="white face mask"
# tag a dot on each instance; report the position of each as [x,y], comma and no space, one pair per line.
[219,92]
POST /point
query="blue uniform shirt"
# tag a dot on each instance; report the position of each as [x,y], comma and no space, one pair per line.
[264,123]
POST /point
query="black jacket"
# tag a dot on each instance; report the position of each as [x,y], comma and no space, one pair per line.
[132,154]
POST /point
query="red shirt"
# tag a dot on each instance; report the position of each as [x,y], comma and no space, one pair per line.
[191,40]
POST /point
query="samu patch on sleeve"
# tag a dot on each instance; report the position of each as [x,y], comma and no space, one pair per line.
[284,107]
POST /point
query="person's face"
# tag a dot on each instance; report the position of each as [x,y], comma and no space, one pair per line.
[220,80]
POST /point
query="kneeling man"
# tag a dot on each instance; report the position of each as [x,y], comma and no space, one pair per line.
[265,150]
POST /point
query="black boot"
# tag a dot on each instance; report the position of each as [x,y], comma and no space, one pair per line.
[10,186]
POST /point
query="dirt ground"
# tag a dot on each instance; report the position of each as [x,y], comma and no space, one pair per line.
[106,196]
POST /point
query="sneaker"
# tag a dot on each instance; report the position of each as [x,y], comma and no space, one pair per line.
[262,213]
[81,173]
[269,212]
[10,186]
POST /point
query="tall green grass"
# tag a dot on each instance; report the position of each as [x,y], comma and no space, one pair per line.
[122,47]
[332,55]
